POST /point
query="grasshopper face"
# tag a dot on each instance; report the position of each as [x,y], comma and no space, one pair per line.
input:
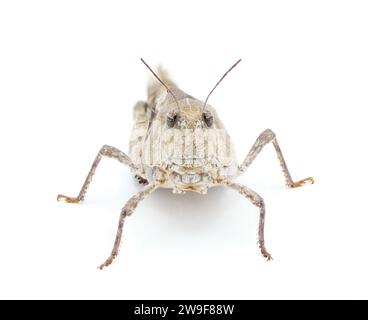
[188,148]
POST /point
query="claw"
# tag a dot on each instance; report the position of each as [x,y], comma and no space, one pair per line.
[107,262]
[300,183]
[267,256]
[264,251]
[67,199]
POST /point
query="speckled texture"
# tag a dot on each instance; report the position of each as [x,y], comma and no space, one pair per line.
[190,155]
[179,144]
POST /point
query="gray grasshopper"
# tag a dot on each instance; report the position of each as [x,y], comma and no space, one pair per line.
[179,142]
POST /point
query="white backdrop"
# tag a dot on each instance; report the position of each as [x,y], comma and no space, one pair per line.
[69,77]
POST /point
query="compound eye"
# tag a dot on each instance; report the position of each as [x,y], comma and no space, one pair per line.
[208,119]
[171,119]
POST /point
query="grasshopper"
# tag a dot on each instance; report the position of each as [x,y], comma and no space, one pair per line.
[179,142]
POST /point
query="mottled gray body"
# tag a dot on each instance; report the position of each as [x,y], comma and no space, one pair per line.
[187,157]
[177,143]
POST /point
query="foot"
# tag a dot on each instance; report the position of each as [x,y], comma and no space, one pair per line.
[300,183]
[67,199]
[264,251]
[267,256]
[107,262]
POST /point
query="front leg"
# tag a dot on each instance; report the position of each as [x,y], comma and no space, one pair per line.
[257,200]
[105,151]
[127,211]
[264,138]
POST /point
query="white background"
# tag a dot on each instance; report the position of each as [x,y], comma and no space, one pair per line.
[69,77]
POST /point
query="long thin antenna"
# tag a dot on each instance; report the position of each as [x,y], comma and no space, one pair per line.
[157,77]
[222,78]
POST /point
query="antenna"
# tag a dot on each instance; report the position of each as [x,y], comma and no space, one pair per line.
[157,77]
[232,67]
